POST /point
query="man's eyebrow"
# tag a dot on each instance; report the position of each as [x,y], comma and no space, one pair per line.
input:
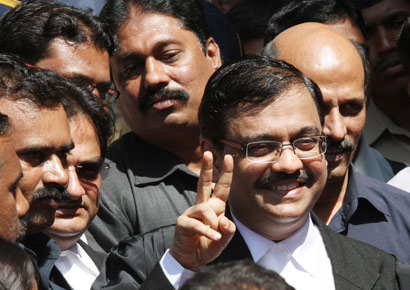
[123,57]
[96,160]
[305,131]
[49,148]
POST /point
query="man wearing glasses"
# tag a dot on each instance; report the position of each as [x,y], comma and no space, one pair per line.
[263,145]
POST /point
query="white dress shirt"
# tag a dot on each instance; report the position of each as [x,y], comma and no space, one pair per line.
[300,259]
[77,267]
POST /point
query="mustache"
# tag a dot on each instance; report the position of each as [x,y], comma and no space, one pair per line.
[145,101]
[345,144]
[300,175]
[56,192]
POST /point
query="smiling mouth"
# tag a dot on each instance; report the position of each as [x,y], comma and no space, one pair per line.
[163,102]
[286,186]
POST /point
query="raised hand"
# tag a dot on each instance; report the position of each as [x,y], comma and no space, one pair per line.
[203,231]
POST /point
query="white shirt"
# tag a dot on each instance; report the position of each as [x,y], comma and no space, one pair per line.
[77,267]
[401,180]
[300,259]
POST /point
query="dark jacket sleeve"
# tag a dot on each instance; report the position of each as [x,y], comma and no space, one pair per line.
[403,274]
[130,263]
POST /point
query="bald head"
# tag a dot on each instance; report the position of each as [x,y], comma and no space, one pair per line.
[316,48]
[334,63]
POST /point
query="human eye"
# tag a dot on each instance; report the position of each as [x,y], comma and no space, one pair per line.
[306,143]
[170,56]
[34,157]
[259,149]
[351,108]
[88,170]
[132,69]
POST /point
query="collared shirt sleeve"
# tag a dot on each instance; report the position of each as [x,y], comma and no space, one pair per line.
[175,273]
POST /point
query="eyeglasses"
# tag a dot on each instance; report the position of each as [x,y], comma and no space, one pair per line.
[107,95]
[89,170]
[270,151]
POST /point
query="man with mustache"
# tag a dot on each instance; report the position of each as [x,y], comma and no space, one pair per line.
[351,203]
[78,265]
[263,145]
[35,106]
[388,123]
[164,60]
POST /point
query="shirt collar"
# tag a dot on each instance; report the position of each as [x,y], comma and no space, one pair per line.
[304,245]
[377,122]
[360,189]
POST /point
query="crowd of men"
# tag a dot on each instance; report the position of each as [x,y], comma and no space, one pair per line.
[154,147]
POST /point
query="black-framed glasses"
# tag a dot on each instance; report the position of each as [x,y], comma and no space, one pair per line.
[106,94]
[89,170]
[269,151]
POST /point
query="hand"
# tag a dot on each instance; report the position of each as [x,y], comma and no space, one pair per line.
[203,231]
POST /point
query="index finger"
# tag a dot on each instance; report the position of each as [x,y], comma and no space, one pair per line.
[204,188]
[223,186]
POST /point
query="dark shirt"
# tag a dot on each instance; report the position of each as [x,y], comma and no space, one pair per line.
[375,213]
[46,252]
[146,188]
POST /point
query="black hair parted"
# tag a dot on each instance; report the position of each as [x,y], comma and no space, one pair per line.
[250,81]
[189,12]
[28,29]
[295,12]
[21,81]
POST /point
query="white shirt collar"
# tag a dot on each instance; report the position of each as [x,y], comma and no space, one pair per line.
[305,247]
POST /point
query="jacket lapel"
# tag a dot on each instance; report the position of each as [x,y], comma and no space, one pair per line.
[350,270]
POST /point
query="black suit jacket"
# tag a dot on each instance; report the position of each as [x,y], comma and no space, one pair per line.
[355,265]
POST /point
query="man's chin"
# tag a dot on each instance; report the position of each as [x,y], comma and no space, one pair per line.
[336,170]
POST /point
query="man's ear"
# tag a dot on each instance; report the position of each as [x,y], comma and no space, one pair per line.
[207,145]
[213,53]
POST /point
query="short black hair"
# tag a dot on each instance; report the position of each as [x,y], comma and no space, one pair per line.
[189,12]
[240,275]
[18,269]
[20,81]
[249,81]
[80,100]
[403,44]
[250,17]
[28,29]
[295,12]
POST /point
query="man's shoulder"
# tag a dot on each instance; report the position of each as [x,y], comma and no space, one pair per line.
[358,263]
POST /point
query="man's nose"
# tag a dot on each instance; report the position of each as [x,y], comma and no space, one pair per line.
[22,204]
[55,172]
[75,189]
[288,161]
[335,126]
[155,74]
